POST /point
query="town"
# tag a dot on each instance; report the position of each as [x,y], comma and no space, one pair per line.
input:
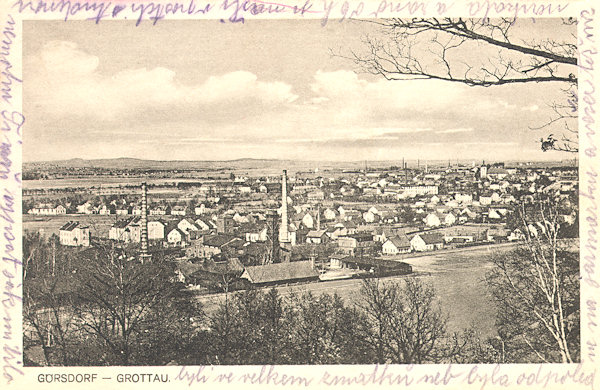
[305,226]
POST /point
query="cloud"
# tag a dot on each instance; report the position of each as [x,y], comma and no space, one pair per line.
[532,108]
[457,130]
[71,84]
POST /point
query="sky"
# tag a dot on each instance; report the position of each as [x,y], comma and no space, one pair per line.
[204,90]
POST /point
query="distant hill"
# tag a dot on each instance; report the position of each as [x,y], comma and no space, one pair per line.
[135,163]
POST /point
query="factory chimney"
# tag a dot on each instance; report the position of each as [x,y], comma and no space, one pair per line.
[319,217]
[283,229]
[144,220]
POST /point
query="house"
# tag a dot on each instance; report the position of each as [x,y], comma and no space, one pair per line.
[352,215]
[48,209]
[126,230]
[122,211]
[102,210]
[201,209]
[85,208]
[257,233]
[74,234]
[159,210]
[329,214]
[381,234]
[225,224]
[205,224]
[215,244]
[315,196]
[216,276]
[449,219]
[485,200]
[433,220]
[370,217]
[498,234]
[308,220]
[494,214]
[357,244]
[178,210]
[177,237]
[427,242]
[156,230]
[186,225]
[240,219]
[396,245]
[317,236]
[271,274]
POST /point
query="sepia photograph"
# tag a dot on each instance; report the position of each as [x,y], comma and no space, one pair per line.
[283,192]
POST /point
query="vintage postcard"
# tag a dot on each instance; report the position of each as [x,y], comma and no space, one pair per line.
[304,194]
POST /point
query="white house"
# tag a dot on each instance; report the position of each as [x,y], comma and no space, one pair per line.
[308,220]
[176,237]
[396,245]
[74,234]
[485,200]
[48,209]
[329,214]
[370,217]
[178,210]
[204,225]
[85,208]
[156,230]
[427,242]
[127,230]
[186,225]
[449,219]
[432,220]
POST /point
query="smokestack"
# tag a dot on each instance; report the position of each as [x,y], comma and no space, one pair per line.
[272,238]
[319,217]
[144,251]
[283,229]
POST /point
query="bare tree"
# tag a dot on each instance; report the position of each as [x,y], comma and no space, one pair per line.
[536,288]
[405,324]
[442,49]
[117,295]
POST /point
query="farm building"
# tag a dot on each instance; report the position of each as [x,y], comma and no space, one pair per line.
[271,274]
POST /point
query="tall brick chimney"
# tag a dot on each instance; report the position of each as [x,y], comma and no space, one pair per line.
[284,235]
[144,255]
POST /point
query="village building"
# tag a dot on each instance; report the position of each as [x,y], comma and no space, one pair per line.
[276,273]
[48,209]
[177,237]
[359,244]
[317,237]
[427,242]
[74,234]
[156,230]
[126,230]
[396,245]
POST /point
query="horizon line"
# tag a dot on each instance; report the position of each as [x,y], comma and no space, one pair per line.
[307,160]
